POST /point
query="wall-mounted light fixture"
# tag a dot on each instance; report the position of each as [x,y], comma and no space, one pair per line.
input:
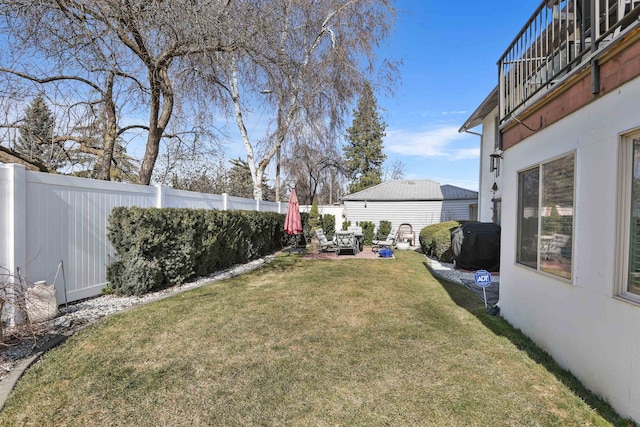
[365,203]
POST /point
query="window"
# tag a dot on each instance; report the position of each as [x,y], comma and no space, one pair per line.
[632,284]
[545,217]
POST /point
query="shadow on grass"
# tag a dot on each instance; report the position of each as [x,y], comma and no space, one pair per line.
[466,299]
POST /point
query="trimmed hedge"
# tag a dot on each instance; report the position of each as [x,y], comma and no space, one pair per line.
[435,240]
[157,248]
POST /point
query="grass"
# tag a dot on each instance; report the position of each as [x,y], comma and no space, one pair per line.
[326,343]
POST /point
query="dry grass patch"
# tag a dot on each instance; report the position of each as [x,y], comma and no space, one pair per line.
[355,342]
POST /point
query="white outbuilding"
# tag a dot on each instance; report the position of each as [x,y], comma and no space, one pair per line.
[416,202]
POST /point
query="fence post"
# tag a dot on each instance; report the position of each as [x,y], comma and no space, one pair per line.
[225,201]
[257,205]
[160,196]
[15,230]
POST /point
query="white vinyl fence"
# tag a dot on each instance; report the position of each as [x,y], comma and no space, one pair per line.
[336,211]
[54,227]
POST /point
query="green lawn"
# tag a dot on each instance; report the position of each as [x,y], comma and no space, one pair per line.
[321,343]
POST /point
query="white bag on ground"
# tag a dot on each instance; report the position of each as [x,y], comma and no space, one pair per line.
[41,302]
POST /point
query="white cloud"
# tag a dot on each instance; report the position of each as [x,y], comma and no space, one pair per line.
[466,153]
[446,113]
[441,142]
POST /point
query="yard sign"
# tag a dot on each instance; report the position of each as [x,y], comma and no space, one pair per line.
[483,279]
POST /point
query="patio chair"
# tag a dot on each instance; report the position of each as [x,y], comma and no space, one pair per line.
[406,234]
[325,244]
[389,242]
[346,241]
[357,230]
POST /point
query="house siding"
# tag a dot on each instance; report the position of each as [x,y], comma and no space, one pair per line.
[456,210]
[581,324]
[417,213]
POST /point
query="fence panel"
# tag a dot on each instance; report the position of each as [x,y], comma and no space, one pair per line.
[271,206]
[55,224]
[190,199]
[336,211]
[66,221]
[6,227]
[238,203]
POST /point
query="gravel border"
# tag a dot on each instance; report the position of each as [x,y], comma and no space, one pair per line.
[448,271]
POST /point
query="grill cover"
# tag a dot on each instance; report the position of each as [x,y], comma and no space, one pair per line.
[476,246]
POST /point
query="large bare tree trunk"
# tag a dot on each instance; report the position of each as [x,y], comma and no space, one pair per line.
[160,114]
[111,133]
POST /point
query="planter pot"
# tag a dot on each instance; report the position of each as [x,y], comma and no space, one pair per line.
[403,246]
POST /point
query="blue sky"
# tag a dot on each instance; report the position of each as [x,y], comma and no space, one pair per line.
[449,50]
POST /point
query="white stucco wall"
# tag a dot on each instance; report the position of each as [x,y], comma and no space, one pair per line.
[487,178]
[581,324]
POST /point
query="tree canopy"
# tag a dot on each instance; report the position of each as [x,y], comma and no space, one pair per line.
[36,135]
[161,73]
[363,151]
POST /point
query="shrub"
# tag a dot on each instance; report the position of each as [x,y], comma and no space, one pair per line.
[329,225]
[435,240]
[367,230]
[384,229]
[135,275]
[156,248]
[306,227]
[314,217]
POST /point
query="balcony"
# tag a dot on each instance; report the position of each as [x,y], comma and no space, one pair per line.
[560,38]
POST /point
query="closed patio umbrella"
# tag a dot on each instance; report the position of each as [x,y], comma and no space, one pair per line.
[292,222]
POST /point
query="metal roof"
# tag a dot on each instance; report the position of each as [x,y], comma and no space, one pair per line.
[412,189]
[450,192]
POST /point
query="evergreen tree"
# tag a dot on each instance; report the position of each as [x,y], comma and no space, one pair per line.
[363,152]
[240,183]
[36,133]
[88,163]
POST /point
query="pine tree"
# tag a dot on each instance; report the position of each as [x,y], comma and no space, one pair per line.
[36,132]
[240,183]
[363,152]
